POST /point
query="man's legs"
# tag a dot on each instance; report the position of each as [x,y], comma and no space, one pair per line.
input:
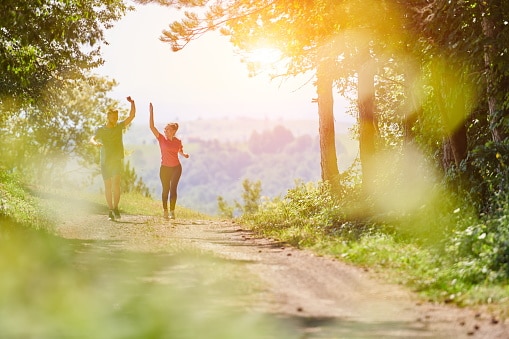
[107,193]
[109,200]
[112,171]
[112,194]
[115,183]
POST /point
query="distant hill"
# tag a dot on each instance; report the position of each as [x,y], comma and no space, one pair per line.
[230,129]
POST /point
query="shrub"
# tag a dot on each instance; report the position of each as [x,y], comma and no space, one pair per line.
[251,197]
[480,252]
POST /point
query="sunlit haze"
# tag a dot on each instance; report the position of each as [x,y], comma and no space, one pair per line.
[205,80]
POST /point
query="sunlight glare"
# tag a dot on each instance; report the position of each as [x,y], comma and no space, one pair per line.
[264,55]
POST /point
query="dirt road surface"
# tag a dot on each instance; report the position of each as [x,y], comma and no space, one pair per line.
[317,297]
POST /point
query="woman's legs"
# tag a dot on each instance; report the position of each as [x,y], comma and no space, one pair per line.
[176,173]
[165,176]
[170,177]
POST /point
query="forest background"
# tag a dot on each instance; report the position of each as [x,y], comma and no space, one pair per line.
[225,152]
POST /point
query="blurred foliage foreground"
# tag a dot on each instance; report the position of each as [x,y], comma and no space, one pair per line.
[57,288]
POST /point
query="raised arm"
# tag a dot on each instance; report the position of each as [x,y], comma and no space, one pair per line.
[132,113]
[151,121]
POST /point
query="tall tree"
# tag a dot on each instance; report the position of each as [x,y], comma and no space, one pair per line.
[494,28]
[471,37]
[464,48]
[367,120]
[45,42]
[328,157]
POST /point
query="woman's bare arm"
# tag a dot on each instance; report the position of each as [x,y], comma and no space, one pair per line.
[151,121]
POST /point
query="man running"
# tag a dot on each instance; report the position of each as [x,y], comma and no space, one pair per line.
[110,138]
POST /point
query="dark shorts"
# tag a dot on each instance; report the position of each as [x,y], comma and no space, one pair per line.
[111,168]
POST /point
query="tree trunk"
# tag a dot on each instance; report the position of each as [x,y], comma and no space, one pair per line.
[490,31]
[455,147]
[455,143]
[411,108]
[367,127]
[328,159]
[459,143]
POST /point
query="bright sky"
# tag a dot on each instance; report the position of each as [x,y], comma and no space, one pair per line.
[204,80]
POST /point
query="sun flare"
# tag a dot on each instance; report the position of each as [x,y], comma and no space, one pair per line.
[264,55]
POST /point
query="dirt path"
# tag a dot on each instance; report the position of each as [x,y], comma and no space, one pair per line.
[317,297]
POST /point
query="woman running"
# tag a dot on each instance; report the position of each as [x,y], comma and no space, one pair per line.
[171,169]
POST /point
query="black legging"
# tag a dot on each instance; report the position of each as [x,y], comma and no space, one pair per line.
[170,177]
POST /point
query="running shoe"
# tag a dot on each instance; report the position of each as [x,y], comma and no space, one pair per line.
[111,217]
[165,214]
[172,215]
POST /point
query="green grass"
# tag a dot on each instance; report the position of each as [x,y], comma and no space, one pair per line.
[58,288]
[18,205]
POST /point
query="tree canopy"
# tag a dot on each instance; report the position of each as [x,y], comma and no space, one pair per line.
[46,42]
